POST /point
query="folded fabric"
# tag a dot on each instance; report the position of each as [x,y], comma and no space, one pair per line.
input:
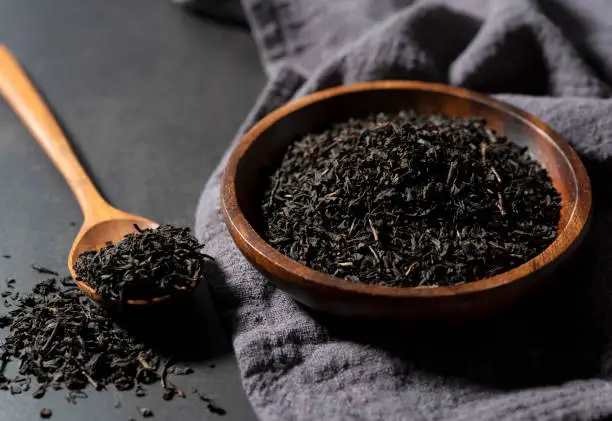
[551,357]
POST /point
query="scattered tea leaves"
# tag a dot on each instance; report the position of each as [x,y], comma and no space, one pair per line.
[64,340]
[410,200]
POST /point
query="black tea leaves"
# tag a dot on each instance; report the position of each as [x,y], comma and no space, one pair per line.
[410,200]
[147,264]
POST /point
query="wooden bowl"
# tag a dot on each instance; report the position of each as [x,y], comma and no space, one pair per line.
[262,148]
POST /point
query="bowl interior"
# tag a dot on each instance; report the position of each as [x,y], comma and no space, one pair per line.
[266,150]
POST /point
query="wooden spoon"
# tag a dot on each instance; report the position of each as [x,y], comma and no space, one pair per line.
[102,222]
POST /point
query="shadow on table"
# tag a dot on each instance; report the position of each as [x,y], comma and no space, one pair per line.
[186,328]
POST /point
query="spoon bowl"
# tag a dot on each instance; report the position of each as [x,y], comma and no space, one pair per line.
[97,235]
[102,223]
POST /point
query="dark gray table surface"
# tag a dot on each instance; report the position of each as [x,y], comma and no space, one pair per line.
[150,96]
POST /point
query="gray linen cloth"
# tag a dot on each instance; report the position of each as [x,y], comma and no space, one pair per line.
[551,357]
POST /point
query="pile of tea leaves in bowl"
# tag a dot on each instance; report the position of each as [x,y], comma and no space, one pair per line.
[408,200]
[146,264]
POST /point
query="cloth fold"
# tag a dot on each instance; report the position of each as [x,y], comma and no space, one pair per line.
[551,357]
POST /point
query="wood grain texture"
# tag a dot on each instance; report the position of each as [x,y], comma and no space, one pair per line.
[262,147]
[102,222]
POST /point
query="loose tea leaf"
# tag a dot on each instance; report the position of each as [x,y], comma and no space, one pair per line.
[145,412]
[211,405]
[39,393]
[146,264]
[168,394]
[42,269]
[215,409]
[410,200]
[180,371]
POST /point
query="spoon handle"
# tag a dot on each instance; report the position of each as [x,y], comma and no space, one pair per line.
[18,90]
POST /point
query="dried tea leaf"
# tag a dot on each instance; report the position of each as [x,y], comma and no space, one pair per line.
[145,412]
[39,393]
[5,321]
[211,405]
[42,269]
[168,394]
[140,391]
[180,371]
